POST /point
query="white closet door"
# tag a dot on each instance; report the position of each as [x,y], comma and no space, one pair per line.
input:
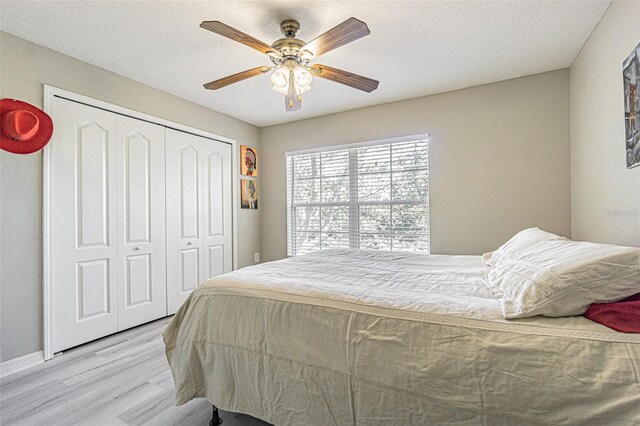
[83,224]
[199,243]
[141,222]
[217,187]
[184,216]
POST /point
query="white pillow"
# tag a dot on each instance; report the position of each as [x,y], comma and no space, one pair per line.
[560,277]
[519,242]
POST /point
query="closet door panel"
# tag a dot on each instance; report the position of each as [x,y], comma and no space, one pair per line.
[92,280]
[184,216]
[138,282]
[215,192]
[189,198]
[216,260]
[217,207]
[137,185]
[82,161]
[92,184]
[141,222]
[189,269]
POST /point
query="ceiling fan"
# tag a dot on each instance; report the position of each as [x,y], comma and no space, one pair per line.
[291,59]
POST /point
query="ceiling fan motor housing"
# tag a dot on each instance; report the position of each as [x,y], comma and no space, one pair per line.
[289,28]
[290,47]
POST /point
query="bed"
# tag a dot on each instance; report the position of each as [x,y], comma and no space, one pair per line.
[368,337]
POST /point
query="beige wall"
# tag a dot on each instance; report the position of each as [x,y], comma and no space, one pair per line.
[24,68]
[605,194]
[499,159]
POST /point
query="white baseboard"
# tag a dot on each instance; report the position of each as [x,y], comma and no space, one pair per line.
[21,363]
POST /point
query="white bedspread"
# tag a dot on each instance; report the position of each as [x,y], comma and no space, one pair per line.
[367,337]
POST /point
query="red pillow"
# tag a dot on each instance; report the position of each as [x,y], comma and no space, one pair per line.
[621,316]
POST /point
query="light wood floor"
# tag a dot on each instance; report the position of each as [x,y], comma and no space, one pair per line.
[122,379]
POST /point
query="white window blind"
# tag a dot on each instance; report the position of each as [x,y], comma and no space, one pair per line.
[369,196]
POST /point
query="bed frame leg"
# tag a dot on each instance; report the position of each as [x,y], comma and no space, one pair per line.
[215,417]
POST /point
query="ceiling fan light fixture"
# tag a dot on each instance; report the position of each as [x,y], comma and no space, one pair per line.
[280,80]
[303,79]
[291,80]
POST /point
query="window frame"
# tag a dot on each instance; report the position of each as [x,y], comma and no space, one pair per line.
[352,204]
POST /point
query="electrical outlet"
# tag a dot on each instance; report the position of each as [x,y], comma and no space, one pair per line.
[256,257]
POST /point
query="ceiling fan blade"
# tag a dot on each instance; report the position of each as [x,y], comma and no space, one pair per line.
[234,78]
[346,32]
[344,77]
[236,35]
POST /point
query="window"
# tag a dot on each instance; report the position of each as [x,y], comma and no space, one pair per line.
[370,196]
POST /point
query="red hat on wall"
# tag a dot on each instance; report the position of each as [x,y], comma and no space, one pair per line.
[23,128]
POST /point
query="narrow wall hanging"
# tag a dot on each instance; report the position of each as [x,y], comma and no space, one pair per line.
[248,161]
[631,78]
[248,194]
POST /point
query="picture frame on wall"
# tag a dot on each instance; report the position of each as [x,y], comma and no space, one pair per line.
[248,194]
[248,161]
[631,79]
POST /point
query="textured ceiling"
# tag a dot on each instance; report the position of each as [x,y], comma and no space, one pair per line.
[415,48]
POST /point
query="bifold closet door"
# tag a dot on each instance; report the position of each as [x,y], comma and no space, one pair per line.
[84,246]
[199,207]
[107,223]
[140,222]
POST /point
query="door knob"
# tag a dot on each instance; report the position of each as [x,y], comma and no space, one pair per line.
[190,243]
[137,248]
